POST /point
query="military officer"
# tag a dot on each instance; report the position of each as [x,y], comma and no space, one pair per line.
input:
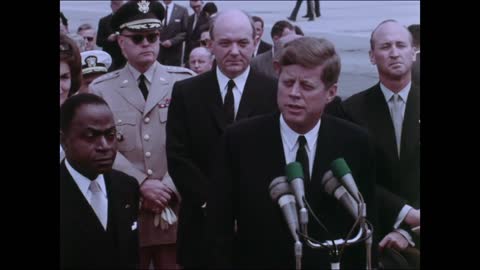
[139,96]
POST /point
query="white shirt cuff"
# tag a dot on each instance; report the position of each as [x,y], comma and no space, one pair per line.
[401,216]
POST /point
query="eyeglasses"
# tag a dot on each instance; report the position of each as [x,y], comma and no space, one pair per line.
[204,42]
[90,39]
[137,39]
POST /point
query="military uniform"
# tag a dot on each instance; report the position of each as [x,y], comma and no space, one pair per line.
[141,125]
[141,133]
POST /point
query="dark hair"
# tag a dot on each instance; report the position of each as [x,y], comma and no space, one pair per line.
[258,19]
[278,27]
[70,54]
[298,30]
[311,52]
[71,105]
[415,31]
[210,8]
[64,19]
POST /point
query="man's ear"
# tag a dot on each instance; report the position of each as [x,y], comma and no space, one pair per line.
[332,92]
[372,59]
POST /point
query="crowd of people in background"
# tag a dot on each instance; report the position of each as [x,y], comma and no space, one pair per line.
[172,127]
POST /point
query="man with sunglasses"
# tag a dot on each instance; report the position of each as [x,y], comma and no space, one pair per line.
[139,95]
[88,33]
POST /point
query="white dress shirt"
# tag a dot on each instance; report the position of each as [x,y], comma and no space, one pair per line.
[290,143]
[83,183]
[240,82]
[169,13]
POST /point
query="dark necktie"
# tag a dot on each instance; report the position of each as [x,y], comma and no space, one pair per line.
[143,86]
[166,16]
[302,157]
[228,104]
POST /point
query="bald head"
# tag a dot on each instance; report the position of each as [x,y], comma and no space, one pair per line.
[200,60]
[233,41]
[232,16]
[388,26]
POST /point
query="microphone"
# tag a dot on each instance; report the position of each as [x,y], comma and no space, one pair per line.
[280,192]
[342,172]
[334,188]
[295,176]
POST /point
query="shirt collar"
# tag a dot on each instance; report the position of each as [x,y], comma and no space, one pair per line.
[387,93]
[83,182]
[148,74]
[240,80]
[291,137]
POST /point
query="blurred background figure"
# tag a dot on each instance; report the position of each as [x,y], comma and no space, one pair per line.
[70,68]
[70,72]
[298,30]
[262,46]
[106,37]
[173,34]
[79,41]
[415,31]
[195,21]
[95,63]
[201,60]
[88,33]
[263,63]
[63,24]
[210,10]
[310,15]
[205,40]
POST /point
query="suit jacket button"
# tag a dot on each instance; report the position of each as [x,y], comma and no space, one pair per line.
[146,137]
[146,120]
[149,172]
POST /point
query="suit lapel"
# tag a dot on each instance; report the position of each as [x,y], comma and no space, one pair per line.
[380,121]
[174,15]
[129,90]
[213,99]
[74,207]
[324,154]
[159,88]
[247,102]
[411,123]
[115,218]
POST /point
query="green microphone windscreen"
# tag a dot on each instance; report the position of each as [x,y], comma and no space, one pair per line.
[294,170]
[340,168]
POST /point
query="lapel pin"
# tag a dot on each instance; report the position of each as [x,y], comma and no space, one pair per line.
[127,206]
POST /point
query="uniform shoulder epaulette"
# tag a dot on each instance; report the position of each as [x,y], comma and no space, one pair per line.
[175,69]
[108,76]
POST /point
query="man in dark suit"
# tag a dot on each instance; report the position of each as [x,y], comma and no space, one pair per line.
[263,63]
[262,46]
[98,205]
[195,22]
[391,112]
[200,109]
[106,37]
[255,151]
[173,34]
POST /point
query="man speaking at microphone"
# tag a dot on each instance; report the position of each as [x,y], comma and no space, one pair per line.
[255,151]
